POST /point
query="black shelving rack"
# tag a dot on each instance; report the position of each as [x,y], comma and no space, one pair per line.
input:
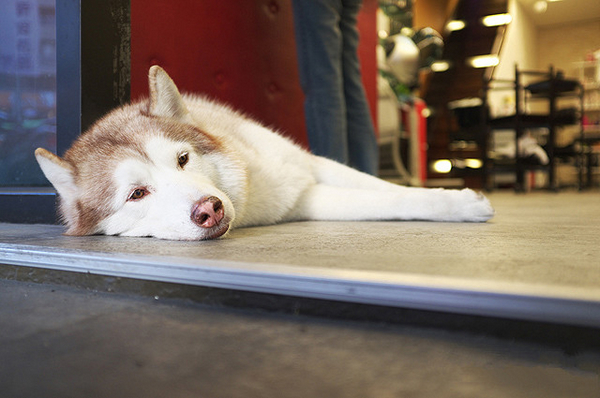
[548,86]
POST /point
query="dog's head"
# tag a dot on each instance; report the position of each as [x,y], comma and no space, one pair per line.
[146,169]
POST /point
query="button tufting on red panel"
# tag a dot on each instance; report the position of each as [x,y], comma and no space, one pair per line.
[206,51]
[273,7]
[220,78]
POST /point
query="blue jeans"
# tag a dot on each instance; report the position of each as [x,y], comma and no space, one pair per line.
[338,120]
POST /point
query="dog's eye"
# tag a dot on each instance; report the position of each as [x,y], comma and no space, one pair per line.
[138,194]
[183,159]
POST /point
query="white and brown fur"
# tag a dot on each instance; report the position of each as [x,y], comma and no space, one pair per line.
[185,167]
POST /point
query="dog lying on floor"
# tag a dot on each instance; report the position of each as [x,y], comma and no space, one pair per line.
[187,168]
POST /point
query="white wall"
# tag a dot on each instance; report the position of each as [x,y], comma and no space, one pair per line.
[520,43]
[562,45]
[520,47]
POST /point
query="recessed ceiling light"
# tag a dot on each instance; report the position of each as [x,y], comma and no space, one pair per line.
[496,20]
[473,163]
[540,6]
[440,66]
[455,25]
[442,166]
[483,61]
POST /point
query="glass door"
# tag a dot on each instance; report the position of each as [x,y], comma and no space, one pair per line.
[63,64]
[27,89]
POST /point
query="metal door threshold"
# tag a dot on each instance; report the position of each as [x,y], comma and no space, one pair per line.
[562,305]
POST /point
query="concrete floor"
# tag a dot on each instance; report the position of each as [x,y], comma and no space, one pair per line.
[538,238]
[59,341]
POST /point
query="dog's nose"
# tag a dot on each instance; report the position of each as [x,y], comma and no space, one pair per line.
[208,212]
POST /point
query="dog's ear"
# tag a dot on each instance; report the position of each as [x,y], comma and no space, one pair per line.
[59,173]
[165,100]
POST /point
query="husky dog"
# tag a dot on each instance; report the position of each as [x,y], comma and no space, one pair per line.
[187,168]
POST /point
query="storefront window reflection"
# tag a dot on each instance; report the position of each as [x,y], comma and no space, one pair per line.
[27,88]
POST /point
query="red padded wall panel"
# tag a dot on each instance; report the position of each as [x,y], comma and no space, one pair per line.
[239,51]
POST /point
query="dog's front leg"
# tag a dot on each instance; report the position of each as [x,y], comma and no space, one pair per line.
[322,202]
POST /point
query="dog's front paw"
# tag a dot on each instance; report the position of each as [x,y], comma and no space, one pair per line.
[472,206]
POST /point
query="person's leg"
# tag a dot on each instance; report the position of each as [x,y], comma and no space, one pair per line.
[362,144]
[319,48]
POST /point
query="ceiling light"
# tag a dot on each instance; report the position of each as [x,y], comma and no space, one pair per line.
[440,66]
[483,61]
[540,6]
[496,20]
[442,166]
[474,163]
[454,25]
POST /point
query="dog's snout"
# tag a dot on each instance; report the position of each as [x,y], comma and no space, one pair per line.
[208,212]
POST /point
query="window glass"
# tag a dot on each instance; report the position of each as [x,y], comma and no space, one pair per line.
[27,88]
